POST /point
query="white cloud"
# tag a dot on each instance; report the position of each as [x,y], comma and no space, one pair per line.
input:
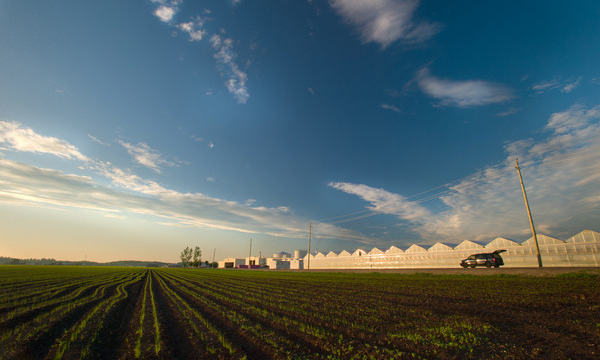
[96,140]
[391,107]
[20,138]
[385,21]
[146,156]
[384,202]
[166,9]
[570,86]
[193,28]
[165,13]
[508,112]
[560,173]
[564,86]
[545,85]
[462,93]
[20,184]
[236,78]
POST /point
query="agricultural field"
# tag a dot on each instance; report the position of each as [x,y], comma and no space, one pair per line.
[51,312]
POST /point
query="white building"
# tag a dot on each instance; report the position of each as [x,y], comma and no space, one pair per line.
[231,263]
[580,250]
[279,261]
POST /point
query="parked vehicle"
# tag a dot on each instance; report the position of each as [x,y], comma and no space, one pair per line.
[485,259]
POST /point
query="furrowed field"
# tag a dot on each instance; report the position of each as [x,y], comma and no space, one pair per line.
[131,313]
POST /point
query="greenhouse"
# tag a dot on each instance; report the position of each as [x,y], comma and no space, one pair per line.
[581,250]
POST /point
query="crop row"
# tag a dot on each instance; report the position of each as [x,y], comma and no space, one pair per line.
[67,318]
[135,313]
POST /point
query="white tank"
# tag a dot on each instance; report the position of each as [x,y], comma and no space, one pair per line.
[299,254]
[282,255]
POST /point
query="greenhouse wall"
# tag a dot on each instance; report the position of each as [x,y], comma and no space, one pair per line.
[581,250]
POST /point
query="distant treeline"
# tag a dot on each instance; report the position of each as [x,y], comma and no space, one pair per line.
[12,261]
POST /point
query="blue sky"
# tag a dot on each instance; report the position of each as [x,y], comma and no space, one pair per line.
[131,129]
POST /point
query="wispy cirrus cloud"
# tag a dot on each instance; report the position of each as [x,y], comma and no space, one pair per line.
[393,108]
[146,156]
[386,21]
[564,86]
[383,202]
[462,93]
[508,112]
[560,172]
[20,184]
[224,53]
[96,140]
[236,78]
[20,138]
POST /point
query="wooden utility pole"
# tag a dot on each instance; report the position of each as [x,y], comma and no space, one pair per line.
[250,254]
[537,248]
[309,231]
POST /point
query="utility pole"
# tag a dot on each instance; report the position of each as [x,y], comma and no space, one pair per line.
[309,231]
[250,254]
[537,248]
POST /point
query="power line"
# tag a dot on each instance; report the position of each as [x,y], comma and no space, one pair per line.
[344,215]
[500,173]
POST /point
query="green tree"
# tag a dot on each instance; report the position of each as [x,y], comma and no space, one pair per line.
[197,257]
[186,256]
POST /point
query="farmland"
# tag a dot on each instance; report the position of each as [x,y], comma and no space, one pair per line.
[49,312]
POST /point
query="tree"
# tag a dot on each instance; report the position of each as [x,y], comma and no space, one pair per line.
[186,256]
[197,257]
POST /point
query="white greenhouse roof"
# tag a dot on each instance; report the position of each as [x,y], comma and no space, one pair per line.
[584,237]
[375,251]
[359,252]
[543,240]
[501,242]
[439,247]
[415,248]
[394,250]
[468,245]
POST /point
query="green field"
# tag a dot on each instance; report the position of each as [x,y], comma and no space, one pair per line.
[52,312]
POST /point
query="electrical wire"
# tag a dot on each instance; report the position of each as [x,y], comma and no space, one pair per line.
[448,186]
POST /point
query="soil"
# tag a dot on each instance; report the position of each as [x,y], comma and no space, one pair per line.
[523,313]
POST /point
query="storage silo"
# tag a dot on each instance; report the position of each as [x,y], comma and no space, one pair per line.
[299,254]
[282,255]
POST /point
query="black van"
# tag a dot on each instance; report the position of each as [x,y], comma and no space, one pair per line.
[486,259]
